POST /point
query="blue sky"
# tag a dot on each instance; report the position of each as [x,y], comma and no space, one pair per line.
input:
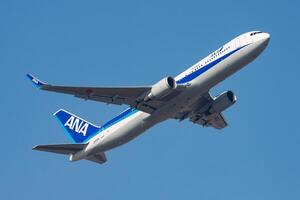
[111,43]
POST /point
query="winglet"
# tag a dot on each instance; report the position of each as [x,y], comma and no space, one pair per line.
[35,81]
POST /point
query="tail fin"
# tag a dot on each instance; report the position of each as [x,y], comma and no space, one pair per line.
[78,129]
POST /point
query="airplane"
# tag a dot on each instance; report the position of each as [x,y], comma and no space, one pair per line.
[184,97]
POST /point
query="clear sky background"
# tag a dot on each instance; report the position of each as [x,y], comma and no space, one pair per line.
[112,43]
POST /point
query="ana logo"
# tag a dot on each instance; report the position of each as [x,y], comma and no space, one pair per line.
[77,125]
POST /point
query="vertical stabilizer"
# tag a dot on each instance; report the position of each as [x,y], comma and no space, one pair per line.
[77,128]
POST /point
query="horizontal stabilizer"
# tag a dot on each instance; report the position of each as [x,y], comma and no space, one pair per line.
[98,158]
[61,148]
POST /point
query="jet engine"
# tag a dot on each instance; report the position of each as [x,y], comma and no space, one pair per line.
[223,101]
[162,88]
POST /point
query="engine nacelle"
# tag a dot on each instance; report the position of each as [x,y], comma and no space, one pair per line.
[223,101]
[162,88]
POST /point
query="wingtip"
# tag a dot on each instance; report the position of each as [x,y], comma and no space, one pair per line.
[35,81]
[35,147]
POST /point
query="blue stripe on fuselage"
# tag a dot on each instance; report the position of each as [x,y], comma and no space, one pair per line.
[125,114]
[203,69]
[128,112]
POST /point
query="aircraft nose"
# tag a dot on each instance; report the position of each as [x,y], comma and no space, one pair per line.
[263,39]
[266,37]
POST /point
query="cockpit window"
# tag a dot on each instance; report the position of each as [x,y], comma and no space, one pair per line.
[254,33]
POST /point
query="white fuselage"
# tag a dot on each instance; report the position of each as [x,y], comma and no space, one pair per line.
[198,79]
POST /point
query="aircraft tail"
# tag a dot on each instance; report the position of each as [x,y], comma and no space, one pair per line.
[77,128]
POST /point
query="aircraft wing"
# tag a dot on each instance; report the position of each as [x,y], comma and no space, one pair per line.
[110,95]
[215,120]
[198,113]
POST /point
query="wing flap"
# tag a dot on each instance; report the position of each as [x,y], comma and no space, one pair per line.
[101,91]
[218,121]
[111,95]
[215,120]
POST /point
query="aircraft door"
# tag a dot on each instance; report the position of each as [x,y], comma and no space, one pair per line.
[237,42]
